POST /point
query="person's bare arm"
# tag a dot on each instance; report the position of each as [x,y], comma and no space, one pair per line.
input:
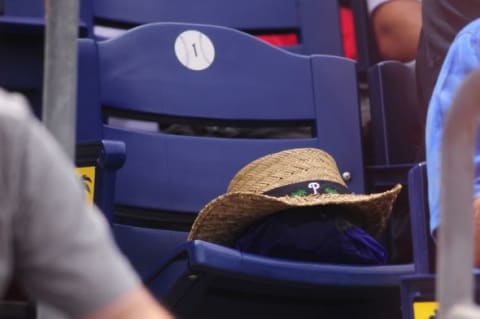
[397,25]
[136,304]
[476,209]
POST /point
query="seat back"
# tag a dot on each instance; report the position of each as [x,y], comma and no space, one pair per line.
[315,24]
[249,84]
[397,125]
[423,245]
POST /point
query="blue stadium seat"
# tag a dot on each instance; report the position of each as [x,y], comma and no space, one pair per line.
[22,25]
[168,178]
[423,245]
[418,291]
[394,140]
[28,16]
[103,158]
[315,23]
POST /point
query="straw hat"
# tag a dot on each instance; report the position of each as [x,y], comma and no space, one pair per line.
[300,177]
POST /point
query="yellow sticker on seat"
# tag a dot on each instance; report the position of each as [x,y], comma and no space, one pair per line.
[87,174]
[425,309]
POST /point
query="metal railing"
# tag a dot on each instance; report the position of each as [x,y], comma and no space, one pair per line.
[60,71]
[59,106]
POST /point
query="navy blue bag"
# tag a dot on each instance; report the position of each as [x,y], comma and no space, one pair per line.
[313,236]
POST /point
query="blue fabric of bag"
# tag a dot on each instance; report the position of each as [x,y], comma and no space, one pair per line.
[306,235]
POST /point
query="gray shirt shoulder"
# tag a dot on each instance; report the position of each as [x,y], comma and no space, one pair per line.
[61,246]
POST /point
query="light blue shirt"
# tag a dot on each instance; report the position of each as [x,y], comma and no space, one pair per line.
[463,57]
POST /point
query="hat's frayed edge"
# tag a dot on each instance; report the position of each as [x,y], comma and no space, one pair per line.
[226,216]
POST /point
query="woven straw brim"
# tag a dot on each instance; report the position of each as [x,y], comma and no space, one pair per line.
[226,217]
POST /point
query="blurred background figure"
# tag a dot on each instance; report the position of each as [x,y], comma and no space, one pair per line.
[396,24]
[442,20]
